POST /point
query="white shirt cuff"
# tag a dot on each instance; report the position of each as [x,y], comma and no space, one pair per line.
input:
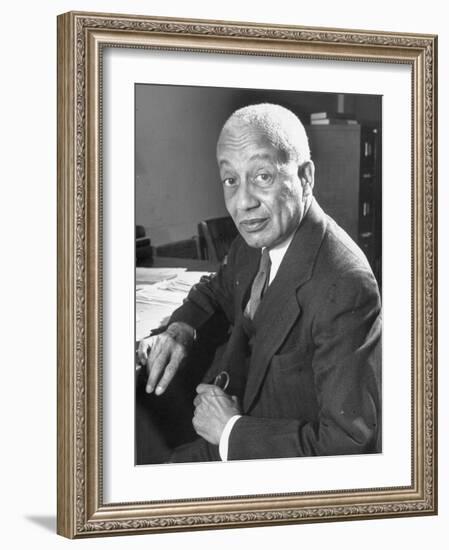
[224,439]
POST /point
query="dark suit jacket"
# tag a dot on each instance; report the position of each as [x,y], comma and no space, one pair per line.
[313,385]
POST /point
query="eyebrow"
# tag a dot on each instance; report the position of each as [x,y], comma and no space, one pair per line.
[262,156]
[256,156]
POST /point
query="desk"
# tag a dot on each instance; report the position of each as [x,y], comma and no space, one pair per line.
[190,263]
[157,291]
[163,422]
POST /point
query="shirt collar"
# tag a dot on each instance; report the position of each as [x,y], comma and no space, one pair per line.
[277,254]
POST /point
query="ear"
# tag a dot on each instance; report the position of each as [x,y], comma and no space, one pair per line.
[306,173]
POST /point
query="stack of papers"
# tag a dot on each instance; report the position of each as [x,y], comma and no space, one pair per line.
[159,291]
[152,275]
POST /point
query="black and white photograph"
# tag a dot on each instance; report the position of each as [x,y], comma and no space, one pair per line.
[258,248]
[247,290]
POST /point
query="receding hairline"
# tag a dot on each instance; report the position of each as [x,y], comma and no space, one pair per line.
[280,125]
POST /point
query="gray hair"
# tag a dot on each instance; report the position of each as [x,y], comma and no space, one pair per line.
[282,127]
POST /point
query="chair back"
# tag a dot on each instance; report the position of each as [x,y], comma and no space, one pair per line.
[216,236]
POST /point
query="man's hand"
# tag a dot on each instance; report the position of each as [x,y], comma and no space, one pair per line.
[166,353]
[213,409]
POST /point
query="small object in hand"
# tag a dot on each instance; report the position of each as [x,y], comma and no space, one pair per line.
[222,380]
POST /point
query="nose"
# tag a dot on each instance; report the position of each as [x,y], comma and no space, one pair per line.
[246,200]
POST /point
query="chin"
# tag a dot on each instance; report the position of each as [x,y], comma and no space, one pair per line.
[257,241]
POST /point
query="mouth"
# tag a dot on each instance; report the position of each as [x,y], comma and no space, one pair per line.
[253,225]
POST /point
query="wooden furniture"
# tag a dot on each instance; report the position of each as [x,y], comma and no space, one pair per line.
[215,237]
[187,248]
[143,245]
[348,182]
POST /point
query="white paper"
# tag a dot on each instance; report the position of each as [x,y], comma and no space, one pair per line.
[159,291]
[152,275]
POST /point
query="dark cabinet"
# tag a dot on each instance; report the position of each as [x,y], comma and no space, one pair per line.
[348,183]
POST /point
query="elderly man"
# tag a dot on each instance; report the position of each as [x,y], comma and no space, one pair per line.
[302,305]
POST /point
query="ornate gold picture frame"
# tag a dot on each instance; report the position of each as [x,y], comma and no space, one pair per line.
[82,41]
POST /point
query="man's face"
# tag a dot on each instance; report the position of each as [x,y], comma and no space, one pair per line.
[263,194]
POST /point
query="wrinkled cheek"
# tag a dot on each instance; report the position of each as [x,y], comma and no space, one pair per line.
[289,206]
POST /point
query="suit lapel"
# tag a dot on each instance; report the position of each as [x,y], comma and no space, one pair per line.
[279,308]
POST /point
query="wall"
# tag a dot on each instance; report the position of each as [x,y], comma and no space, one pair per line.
[27,293]
[177,181]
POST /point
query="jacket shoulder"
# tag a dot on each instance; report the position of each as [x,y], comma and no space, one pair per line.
[341,252]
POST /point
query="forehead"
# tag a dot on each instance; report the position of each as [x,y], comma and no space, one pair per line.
[244,141]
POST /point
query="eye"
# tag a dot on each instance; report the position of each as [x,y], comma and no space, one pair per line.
[229,182]
[263,178]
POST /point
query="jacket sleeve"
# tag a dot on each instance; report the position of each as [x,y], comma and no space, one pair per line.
[346,364]
[212,297]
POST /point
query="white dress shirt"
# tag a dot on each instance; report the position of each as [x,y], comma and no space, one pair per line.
[277,254]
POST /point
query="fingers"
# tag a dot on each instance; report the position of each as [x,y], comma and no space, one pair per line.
[164,360]
[197,423]
[157,361]
[158,358]
[169,371]
[210,394]
[212,413]
[209,388]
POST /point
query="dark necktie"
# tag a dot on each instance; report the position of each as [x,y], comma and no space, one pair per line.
[259,285]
